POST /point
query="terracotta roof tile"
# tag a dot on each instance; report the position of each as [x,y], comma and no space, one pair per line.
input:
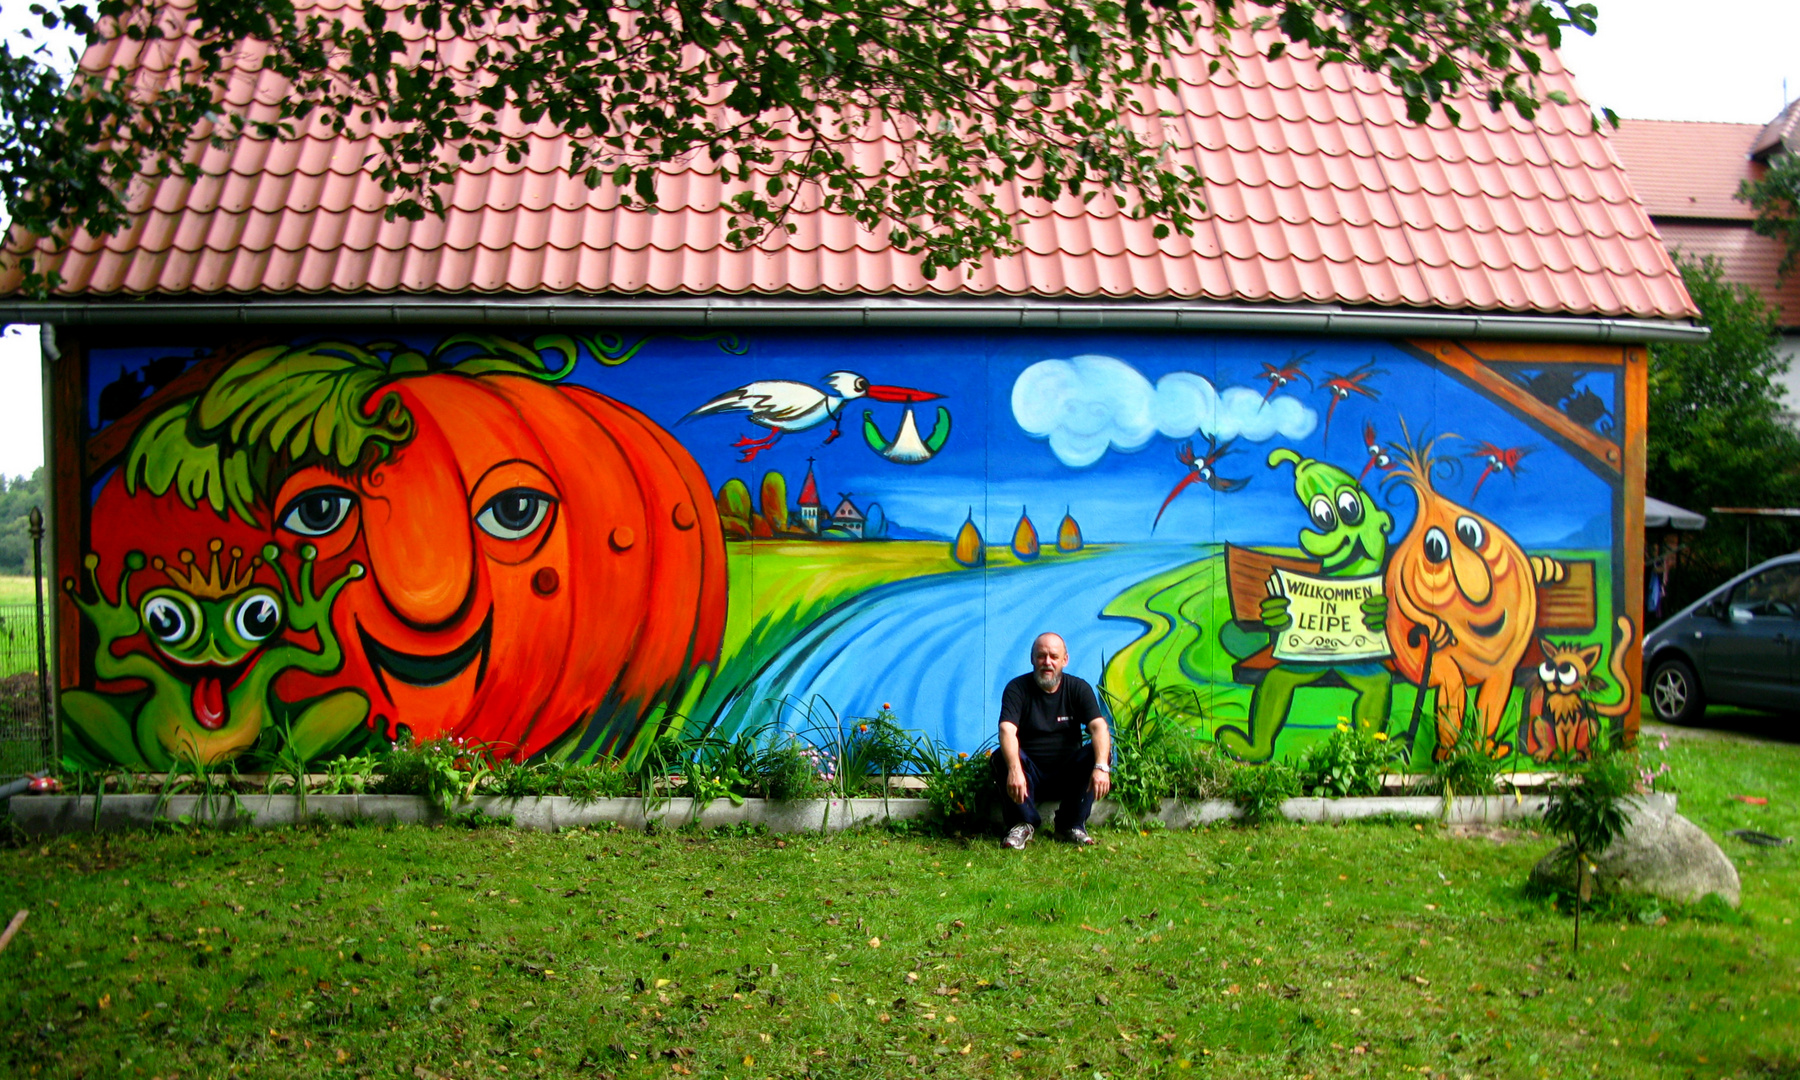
[1317,189]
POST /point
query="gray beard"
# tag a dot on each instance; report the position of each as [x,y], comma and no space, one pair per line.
[1048,683]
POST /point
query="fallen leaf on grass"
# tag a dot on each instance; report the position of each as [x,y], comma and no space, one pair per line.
[1753,800]
[1095,929]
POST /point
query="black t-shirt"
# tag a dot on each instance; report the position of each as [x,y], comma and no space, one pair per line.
[1052,723]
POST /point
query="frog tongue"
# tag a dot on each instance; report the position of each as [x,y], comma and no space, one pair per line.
[209,702]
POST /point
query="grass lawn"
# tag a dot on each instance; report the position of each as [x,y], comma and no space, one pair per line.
[1381,950]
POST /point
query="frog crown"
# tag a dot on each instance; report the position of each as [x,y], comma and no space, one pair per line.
[213,583]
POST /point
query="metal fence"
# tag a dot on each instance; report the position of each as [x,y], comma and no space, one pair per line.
[27,736]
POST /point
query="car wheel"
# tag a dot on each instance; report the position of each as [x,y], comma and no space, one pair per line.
[1675,695]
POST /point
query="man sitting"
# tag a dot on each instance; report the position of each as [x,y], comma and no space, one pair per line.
[1041,751]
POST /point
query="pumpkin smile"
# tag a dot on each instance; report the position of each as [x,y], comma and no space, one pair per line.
[418,669]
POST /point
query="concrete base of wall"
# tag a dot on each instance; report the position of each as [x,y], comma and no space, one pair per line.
[41,815]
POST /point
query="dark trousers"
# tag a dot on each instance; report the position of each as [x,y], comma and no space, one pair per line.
[1065,777]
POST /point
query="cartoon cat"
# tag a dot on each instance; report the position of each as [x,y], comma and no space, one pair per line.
[1559,718]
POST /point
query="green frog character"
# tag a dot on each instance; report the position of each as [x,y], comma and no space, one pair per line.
[215,660]
[1349,537]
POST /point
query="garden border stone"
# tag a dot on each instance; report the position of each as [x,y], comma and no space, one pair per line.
[44,815]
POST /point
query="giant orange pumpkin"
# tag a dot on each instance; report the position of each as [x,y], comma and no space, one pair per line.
[544,568]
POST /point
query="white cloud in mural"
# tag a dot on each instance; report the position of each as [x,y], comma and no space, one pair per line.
[1089,404]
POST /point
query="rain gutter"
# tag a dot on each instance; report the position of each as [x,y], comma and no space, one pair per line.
[736,313]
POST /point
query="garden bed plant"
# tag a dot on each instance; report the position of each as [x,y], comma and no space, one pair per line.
[1159,757]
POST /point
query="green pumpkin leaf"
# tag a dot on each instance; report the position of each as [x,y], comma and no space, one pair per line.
[309,401]
[289,406]
[166,454]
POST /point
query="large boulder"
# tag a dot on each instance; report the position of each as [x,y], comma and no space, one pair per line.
[1660,854]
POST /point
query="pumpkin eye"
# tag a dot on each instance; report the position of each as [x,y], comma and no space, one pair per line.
[1349,507]
[169,620]
[1436,545]
[515,513]
[257,617]
[317,512]
[1323,517]
[1470,532]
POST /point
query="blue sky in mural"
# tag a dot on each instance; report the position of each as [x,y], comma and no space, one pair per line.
[1094,423]
[993,466]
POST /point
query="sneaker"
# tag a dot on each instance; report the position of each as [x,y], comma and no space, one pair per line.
[1077,835]
[1017,837]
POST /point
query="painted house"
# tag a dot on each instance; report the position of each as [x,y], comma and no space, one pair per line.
[847,517]
[1363,447]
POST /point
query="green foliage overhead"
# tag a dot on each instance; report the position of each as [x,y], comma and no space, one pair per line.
[985,93]
[1776,200]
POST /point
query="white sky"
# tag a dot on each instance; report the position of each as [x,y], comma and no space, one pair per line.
[1652,59]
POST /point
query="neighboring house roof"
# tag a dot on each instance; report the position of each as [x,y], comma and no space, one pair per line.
[1781,134]
[1687,175]
[1319,191]
[847,511]
[1685,169]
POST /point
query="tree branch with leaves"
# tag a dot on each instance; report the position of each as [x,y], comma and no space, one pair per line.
[1043,96]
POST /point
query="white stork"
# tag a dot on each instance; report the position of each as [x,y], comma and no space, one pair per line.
[782,405]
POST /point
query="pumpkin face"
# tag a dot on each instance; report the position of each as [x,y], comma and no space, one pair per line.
[540,565]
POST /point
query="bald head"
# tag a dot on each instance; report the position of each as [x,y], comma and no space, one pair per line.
[1049,655]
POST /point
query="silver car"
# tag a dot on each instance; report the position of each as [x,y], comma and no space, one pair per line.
[1737,645]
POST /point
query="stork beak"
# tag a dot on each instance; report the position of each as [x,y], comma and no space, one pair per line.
[900,394]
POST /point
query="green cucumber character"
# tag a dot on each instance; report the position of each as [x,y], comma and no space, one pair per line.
[215,660]
[1349,537]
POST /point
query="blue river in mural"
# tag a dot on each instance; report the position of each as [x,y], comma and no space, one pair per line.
[949,643]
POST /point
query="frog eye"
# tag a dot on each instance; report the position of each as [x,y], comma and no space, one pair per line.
[256,617]
[1349,507]
[1323,516]
[1470,532]
[317,512]
[170,620]
[1436,545]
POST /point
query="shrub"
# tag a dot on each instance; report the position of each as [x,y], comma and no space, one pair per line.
[1468,770]
[1353,761]
[1259,790]
[959,786]
[443,770]
[1587,808]
[793,770]
[1159,752]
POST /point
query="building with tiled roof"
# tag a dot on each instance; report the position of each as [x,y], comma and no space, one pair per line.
[1687,175]
[501,441]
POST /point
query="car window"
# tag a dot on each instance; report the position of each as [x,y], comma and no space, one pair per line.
[1772,594]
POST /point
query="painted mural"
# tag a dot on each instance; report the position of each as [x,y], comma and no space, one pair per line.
[559,545]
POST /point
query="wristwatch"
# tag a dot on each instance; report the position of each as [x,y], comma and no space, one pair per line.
[1100,766]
